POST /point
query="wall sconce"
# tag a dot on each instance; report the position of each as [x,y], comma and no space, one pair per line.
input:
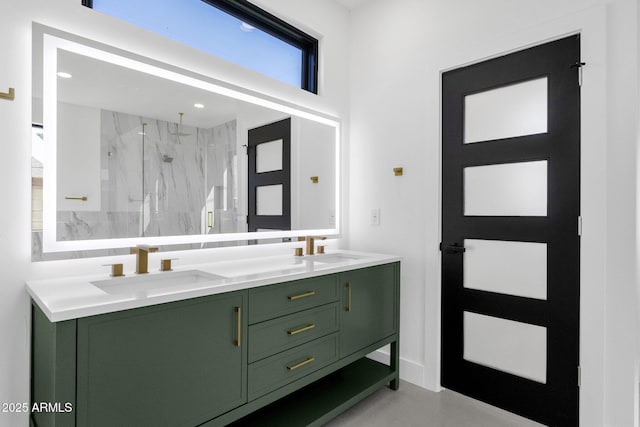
[397,171]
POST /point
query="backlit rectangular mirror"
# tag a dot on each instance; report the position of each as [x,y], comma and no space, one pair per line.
[127,150]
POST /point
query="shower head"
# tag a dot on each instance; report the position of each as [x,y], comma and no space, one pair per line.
[179,131]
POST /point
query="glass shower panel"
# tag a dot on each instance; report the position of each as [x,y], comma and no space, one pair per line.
[121,156]
[221,214]
[174,178]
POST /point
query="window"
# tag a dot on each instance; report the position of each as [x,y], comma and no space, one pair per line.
[235,30]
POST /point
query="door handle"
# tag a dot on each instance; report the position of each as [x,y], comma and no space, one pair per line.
[452,249]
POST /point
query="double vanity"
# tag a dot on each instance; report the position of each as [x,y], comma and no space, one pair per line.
[278,340]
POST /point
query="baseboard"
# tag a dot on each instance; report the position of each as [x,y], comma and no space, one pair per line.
[410,371]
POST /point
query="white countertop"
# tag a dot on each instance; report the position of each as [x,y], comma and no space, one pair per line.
[75,297]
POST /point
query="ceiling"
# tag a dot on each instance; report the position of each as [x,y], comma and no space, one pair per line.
[107,86]
[352,4]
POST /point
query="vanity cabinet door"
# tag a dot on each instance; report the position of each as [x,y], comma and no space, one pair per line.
[369,304]
[175,364]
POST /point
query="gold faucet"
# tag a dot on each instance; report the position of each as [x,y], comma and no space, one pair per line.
[142,257]
[310,244]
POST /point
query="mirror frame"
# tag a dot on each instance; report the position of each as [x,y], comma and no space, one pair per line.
[52,40]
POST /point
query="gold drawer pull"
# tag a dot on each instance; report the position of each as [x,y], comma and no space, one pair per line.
[297,331]
[239,321]
[301,364]
[306,294]
[83,198]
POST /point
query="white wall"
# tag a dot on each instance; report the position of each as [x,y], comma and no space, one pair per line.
[78,157]
[312,154]
[398,50]
[328,20]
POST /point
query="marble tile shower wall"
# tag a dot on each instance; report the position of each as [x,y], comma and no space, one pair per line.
[158,179]
[222,180]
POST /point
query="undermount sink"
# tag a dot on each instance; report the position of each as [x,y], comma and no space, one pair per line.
[333,258]
[156,283]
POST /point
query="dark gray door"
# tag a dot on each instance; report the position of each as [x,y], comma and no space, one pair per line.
[270,177]
[510,243]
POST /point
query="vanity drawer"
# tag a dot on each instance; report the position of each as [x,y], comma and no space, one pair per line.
[281,369]
[272,301]
[283,333]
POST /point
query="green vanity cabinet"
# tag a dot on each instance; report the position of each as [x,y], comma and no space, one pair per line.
[53,369]
[369,304]
[174,364]
[285,354]
[171,364]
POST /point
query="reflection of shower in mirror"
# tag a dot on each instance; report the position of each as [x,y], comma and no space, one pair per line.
[179,132]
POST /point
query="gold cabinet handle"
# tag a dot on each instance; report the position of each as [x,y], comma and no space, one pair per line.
[239,322]
[306,294]
[83,198]
[301,364]
[210,219]
[348,286]
[297,331]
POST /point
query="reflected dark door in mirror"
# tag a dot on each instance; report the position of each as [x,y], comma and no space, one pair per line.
[276,131]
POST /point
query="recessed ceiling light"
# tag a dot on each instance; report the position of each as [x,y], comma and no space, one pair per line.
[198,105]
[64,75]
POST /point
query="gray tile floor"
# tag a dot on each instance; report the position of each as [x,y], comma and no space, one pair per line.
[413,406]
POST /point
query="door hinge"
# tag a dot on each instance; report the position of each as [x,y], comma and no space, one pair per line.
[579,65]
[579,376]
[580,226]
[440,246]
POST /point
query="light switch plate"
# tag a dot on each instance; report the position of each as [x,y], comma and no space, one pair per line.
[375,216]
